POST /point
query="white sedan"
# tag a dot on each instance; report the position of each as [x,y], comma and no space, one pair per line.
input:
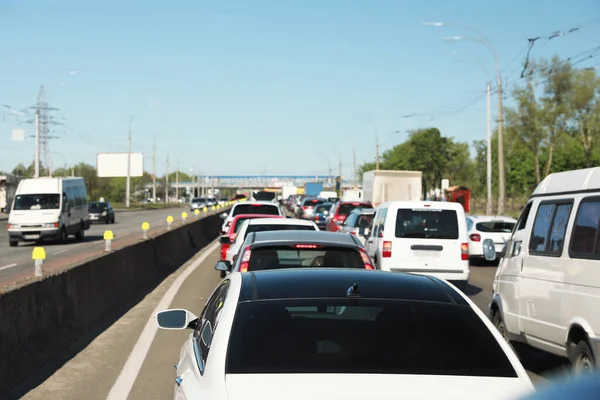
[266,224]
[357,334]
[250,207]
[480,228]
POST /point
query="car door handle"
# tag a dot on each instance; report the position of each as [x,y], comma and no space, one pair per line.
[178,380]
[370,241]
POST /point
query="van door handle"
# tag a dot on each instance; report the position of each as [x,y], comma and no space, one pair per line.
[370,240]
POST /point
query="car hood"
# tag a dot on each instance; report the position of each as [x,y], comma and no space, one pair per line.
[373,387]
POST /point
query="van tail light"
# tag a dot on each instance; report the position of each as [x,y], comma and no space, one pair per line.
[464,251]
[387,249]
[475,237]
[353,232]
[366,260]
[245,259]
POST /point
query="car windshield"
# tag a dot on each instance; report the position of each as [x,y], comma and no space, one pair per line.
[303,256]
[46,201]
[362,336]
[282,227]
[364,221]
[198,200]
[346,208]
[495,226]
[426,223]
[265,209]
[98,207]
[240,222]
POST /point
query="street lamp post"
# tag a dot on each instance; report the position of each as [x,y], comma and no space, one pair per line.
[488,206]
[128,179]
[484,40]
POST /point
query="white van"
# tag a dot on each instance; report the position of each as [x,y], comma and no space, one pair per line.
[546,291]
[423,237]
[48,209]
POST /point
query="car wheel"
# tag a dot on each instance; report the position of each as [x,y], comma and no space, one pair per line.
[112,221]
[582,358]
[80,234]
[64,236]
[13,243]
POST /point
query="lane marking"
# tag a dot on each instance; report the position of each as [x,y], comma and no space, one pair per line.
[60,251]
[128,375]
[8,266]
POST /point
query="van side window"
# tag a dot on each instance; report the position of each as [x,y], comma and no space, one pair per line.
[549,228]
[71,196]
[584,239]
[522,222]
[78,196]
[381,224]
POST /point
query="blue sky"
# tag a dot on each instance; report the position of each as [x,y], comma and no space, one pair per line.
[275,86]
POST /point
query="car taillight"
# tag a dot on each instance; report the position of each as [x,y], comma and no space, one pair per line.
[306,246]
[387,249]
[475,237]
[304,207]
[366,259]
[464,251]
[339,217]
[353,233]
[245,259]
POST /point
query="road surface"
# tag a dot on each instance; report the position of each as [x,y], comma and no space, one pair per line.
[17,260]
[93,368]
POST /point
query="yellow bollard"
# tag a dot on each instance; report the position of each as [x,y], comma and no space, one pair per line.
[184,216]
[169,222]
[197,212]
[212,208]
[38,255]
[145,229]
[205,209]
[108,238]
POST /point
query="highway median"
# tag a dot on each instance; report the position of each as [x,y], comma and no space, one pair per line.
[43,318]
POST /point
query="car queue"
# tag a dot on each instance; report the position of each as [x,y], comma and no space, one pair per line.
[312,299]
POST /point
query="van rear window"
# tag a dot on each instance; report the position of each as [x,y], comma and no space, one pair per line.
[426,223]
[265,209]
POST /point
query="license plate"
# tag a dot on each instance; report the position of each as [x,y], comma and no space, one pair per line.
[93,217]
[32,237]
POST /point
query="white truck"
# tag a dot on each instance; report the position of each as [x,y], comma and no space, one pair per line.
[382,186]
[288,190]
[48,209]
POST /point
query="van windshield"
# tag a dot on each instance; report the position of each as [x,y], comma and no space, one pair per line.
[45,201]
[426,223]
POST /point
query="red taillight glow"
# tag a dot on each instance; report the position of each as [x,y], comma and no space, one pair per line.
[353,233]
[387,249]
[464,251]
[306,246]
[366,259]
[426,205]
[245,259]
[256,205]
[475,237]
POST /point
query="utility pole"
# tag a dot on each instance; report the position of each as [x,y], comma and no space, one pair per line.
[177,181]
[154,172]
[377,154]
[501,182]
[341,179]
[128,181]
[36,173]
[354,162]
[488,208]
[167,200]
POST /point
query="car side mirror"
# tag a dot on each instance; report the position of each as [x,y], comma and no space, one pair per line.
[366,233]
[176,319]
[223,265]
[223,216]
[489,250]
[287,216]
[224,239]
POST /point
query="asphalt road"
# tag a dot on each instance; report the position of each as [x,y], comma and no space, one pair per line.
[15,260]
[95,364]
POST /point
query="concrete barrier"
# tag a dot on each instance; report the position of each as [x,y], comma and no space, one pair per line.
[40,320]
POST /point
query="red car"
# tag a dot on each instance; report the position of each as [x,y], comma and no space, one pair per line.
[340,211]
[234,227]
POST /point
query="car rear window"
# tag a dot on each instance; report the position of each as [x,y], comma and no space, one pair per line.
[95,207]
[263,196]
[495,226]
[304,256]
[362,336]
[346,208]
[322,208]
[264,209]
[312,202]
[239,223]
[426,223]
[270,228]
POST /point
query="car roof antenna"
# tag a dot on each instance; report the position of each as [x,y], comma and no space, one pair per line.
[353,291]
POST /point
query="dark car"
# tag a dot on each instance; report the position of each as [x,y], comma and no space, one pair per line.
[298,249]
[102,211]
[307,206]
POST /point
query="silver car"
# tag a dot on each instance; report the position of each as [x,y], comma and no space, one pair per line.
[357,221]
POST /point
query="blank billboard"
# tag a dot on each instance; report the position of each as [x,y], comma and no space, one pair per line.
[114,165]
